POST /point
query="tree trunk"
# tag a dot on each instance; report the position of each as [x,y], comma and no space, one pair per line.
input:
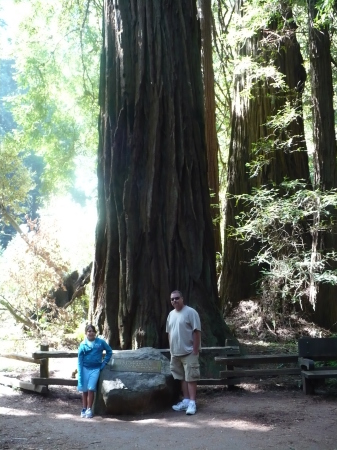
[324,153]
[251,113]
[322,104]
[210,120]
[154,232]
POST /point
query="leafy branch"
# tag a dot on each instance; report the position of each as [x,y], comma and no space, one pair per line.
[287,222]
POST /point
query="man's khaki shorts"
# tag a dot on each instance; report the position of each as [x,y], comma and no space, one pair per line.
[185,367]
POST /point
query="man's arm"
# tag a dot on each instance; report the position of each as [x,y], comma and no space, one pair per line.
[196,341]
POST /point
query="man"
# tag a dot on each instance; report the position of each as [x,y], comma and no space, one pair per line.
[184,332]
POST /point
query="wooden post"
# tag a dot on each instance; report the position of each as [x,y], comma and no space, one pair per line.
[44,363]
[231,383]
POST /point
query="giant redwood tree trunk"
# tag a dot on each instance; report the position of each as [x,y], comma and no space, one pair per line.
[325,168]
[212,144]
[255,102]
[154,232]
[324,139]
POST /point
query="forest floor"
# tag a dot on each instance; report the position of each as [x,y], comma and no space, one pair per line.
[260,414]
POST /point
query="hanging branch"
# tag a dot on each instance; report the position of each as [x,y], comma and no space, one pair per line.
[18,316]
[39,252]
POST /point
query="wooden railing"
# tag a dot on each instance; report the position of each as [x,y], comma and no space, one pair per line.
[40,384]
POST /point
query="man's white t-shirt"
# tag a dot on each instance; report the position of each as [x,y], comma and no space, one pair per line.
[180,326]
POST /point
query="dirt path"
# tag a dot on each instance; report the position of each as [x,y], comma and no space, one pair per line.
[277,418]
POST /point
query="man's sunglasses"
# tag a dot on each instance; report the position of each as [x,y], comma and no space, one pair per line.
[174,299]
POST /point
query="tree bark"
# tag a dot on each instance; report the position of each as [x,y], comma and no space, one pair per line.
[324,156]
[322,103]
[212,144]
[251,113]
[154,232]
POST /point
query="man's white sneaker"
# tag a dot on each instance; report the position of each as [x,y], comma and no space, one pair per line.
[181,406]
[192,409]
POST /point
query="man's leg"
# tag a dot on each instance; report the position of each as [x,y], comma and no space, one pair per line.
[192,390]
[185,390]
[183,405]
[177,371]
[192,374]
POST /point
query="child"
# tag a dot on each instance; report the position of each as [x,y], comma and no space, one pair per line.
[90,353]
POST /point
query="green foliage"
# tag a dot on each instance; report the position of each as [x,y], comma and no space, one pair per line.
[15,178]
[56,53]
[277,139]
[326,12]
[284,220]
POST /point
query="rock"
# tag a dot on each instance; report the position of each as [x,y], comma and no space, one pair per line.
[137,382]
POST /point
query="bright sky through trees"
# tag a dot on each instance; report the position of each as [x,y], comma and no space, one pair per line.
[14,16]
[11,14]
[17,40]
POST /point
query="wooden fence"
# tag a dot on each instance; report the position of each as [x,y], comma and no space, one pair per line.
[40,384]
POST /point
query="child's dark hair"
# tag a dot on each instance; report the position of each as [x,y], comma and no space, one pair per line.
[90,327]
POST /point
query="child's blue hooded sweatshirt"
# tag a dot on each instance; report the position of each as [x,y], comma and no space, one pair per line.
[90,355]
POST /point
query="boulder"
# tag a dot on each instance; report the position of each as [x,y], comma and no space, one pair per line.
[136,382]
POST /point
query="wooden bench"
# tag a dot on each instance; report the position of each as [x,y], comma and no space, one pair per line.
[312,351]
[232,375]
